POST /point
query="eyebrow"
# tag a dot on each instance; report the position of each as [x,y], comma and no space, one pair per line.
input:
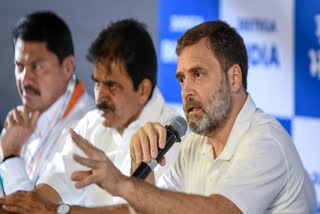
[194,69]
[191,70]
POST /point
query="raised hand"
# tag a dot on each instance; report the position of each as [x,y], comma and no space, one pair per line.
[19,126]
[102,171]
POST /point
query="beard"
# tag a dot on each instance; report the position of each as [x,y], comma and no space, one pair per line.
[215,113]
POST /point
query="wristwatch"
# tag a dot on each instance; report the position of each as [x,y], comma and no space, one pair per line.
[63,209]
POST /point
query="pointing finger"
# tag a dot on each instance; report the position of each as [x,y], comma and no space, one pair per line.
[86,161]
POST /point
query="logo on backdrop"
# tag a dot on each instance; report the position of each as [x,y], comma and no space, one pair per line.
[260,53]
[314,54]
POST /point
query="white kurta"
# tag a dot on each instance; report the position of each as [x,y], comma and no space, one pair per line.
[48,138]
[115,146]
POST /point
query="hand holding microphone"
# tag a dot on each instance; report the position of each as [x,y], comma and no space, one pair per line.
[152,142]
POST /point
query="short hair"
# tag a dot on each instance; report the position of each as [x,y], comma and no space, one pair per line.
[45,26]
[227,45]
[128,42]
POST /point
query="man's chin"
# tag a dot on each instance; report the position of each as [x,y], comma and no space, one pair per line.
[31,106]
[194,118]
[106,122]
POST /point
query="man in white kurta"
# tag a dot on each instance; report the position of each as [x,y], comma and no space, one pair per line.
[113,144]
[53,100]
[48,138]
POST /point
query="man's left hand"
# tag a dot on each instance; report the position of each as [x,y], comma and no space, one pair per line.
[27,202]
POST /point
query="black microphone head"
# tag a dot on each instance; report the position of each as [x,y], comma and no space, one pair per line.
[179,124]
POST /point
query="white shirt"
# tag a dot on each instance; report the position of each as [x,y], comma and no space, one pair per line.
[259,169]
[47,139]
[115,146]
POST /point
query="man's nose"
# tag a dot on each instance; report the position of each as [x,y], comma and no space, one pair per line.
[187,88]
[26,76]
[102,93]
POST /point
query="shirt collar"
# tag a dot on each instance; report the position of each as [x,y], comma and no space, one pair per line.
[241,125]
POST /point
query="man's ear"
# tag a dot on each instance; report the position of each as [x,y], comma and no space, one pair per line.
[235,78]
[144,91]
[68,66]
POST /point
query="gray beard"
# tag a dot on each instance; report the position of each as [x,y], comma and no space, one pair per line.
[215,115]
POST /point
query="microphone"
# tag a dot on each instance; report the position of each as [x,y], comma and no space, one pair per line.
[175,130]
